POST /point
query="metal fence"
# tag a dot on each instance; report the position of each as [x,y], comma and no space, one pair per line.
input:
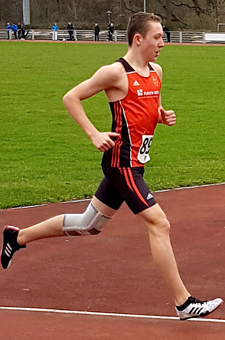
[63,35]
[118,36]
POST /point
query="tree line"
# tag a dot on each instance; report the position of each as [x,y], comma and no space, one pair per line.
[176,14]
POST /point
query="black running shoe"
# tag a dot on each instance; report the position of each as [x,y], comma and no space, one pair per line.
[10,245]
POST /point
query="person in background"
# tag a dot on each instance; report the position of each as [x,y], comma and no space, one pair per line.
[14,29]
[23,31]
[54,31]
[110,31]
[167,32]
[8,27]
[97,30]
[19,30]
[70,30]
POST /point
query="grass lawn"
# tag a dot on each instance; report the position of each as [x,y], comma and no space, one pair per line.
[46,157]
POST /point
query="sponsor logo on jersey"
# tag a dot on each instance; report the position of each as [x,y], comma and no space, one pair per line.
[147,94]
[151,93]
[140,92]
[136,83]
[155,80]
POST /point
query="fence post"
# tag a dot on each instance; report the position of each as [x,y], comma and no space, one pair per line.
[32,34]
[203,37]
[180,38]
[115,35]
[75,35]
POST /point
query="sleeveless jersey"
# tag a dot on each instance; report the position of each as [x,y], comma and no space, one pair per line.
[134,118]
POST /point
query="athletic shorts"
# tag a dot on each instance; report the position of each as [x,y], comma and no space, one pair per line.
[125,185]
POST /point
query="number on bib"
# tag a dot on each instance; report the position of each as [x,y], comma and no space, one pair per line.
[143,155]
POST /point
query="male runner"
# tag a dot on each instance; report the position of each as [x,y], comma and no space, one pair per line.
[132,86]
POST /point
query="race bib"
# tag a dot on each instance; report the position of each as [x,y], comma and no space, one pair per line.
[143,153]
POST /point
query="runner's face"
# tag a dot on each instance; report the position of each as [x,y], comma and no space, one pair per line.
[153,41]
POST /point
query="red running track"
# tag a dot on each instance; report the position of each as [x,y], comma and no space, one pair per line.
[114,273]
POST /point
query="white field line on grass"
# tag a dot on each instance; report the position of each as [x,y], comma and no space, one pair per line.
[118,315]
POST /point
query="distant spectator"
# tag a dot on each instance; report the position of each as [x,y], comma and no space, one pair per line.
[23,30]
[70,30]
[19,30]
[167,31]
[14,29]
[110,31]
[54,31]
[97,30]
[8,27]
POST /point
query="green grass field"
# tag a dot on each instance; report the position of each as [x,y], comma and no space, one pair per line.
[45,157]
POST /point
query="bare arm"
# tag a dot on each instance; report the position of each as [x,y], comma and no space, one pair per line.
[165,117]
[104,79]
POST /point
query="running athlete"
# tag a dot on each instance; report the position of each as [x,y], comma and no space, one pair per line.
[132,85]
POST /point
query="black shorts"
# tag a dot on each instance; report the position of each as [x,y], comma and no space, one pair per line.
[125,185]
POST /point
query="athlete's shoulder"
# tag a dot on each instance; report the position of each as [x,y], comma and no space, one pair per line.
[114,68]
[112,72]
[157,68]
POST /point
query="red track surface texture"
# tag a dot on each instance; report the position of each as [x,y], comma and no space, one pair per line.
[114,273]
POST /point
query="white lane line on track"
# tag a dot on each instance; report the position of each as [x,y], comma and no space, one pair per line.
[118,315]
[88,199]
[192,187]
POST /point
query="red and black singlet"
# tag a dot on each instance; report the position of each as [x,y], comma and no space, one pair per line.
[134,118]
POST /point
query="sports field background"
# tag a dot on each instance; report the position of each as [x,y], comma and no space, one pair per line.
[46,157]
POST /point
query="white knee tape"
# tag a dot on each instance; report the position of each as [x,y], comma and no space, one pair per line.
[90,222]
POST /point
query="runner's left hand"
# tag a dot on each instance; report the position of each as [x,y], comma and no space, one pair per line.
[167,117]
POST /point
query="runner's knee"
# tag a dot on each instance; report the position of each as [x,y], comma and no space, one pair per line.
[90,222]
[156,220]
[159,227]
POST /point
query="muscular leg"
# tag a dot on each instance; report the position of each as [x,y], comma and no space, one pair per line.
[46,229]
[157,224]
[53,227]
[158,228]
